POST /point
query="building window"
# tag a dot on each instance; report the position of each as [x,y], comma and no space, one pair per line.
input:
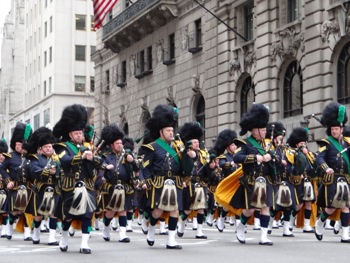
[80,22]
[169,53]
[200,114]
[45,89]
[46,116]
[110,15]
[50,85]
[248,23]
[92,23]
[140,64]
[121,81]
[293,90]
[80,53]
[45,58]
[92,84]
[126,129]
[247,95]
[51,24]
[293,10]
[36,122]
[50,55]
[92,49]
[45,27]
[107,89]
[79,83]
[149,59]
[343,75]
[195,41]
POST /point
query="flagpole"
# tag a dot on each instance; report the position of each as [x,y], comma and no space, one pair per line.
[221,21]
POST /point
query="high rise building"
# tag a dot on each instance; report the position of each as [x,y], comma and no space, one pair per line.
[55,45]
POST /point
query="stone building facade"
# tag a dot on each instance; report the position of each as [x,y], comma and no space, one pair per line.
[213,59]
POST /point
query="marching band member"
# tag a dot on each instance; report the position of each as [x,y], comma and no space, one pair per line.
[300,171]
[45,175]
[256,190]
[117,190]
[78,163]
[195,164]
[225,149]
[4,202]
[14,173]
[162,172]
[333,159]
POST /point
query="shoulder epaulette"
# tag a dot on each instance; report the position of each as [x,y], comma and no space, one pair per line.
[149,146]
[347,140]
[322,141]
[222,156]
[60,144]
[7,155]
[238,141]
[33,156]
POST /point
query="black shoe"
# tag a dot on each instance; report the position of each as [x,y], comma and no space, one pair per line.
[44,230]
[36,242]
[129,230]
[163,233]
[336,232]
[319,237]
[64,249]
[9,237]
[345,240]
[174,247]
[55,243]
[309,231]
[125,240]
[85,251]
[114,228]
[144,231]
[266,243]
[179,234]
[269,232]
[150,243]
[194,228]
[201,237]
[106,238]
[291,235]
[3,236]
[71,234]
[28,239]
[210,224]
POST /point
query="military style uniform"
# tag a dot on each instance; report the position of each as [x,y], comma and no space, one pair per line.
[333,160]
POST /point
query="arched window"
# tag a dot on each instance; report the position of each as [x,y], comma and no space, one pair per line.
[126,128]
[343,75]
[247,95]
[293,90]
[200,113]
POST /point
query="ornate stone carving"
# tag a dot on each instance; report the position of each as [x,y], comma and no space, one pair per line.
[144,104]
[289,44]
[233,65]
[171,95]
[329,27]
[160,50]
[184,38]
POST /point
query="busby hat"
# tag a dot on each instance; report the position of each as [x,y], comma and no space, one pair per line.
[224,139]
[111,133]
[190,131]
[4,148]
[89,133]
[162,116]
[128,143]
[276,127]
[74,118]
[21,133]
[298,134]
[40,137]
[334,115]
[256,117]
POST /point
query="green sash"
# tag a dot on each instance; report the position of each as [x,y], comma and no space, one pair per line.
[340,149]
[168,149]
[256,145]
[73,147]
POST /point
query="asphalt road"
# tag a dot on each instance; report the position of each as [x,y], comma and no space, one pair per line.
[219,247]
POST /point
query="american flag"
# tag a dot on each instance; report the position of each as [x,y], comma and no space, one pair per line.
[101,9]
